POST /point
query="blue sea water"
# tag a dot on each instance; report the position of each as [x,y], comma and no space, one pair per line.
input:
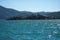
[29,29]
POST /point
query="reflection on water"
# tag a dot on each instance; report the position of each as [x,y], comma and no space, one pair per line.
[30,30]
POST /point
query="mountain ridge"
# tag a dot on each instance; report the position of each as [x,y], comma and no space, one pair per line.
[6,13]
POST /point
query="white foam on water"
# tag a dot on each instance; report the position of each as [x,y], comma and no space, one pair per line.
[51,24]
[58,24]
[54,32]
[49,36]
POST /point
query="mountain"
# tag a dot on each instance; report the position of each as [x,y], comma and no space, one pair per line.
[11,14]
[3,13]
[54,15]
[6,13]
[31,17]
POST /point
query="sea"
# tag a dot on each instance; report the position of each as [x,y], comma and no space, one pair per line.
[29,29]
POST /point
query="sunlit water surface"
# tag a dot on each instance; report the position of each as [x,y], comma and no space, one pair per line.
[29,29]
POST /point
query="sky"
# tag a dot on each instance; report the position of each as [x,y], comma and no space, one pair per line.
[32,5]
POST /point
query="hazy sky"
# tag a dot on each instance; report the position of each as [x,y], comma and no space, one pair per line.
[32,5]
